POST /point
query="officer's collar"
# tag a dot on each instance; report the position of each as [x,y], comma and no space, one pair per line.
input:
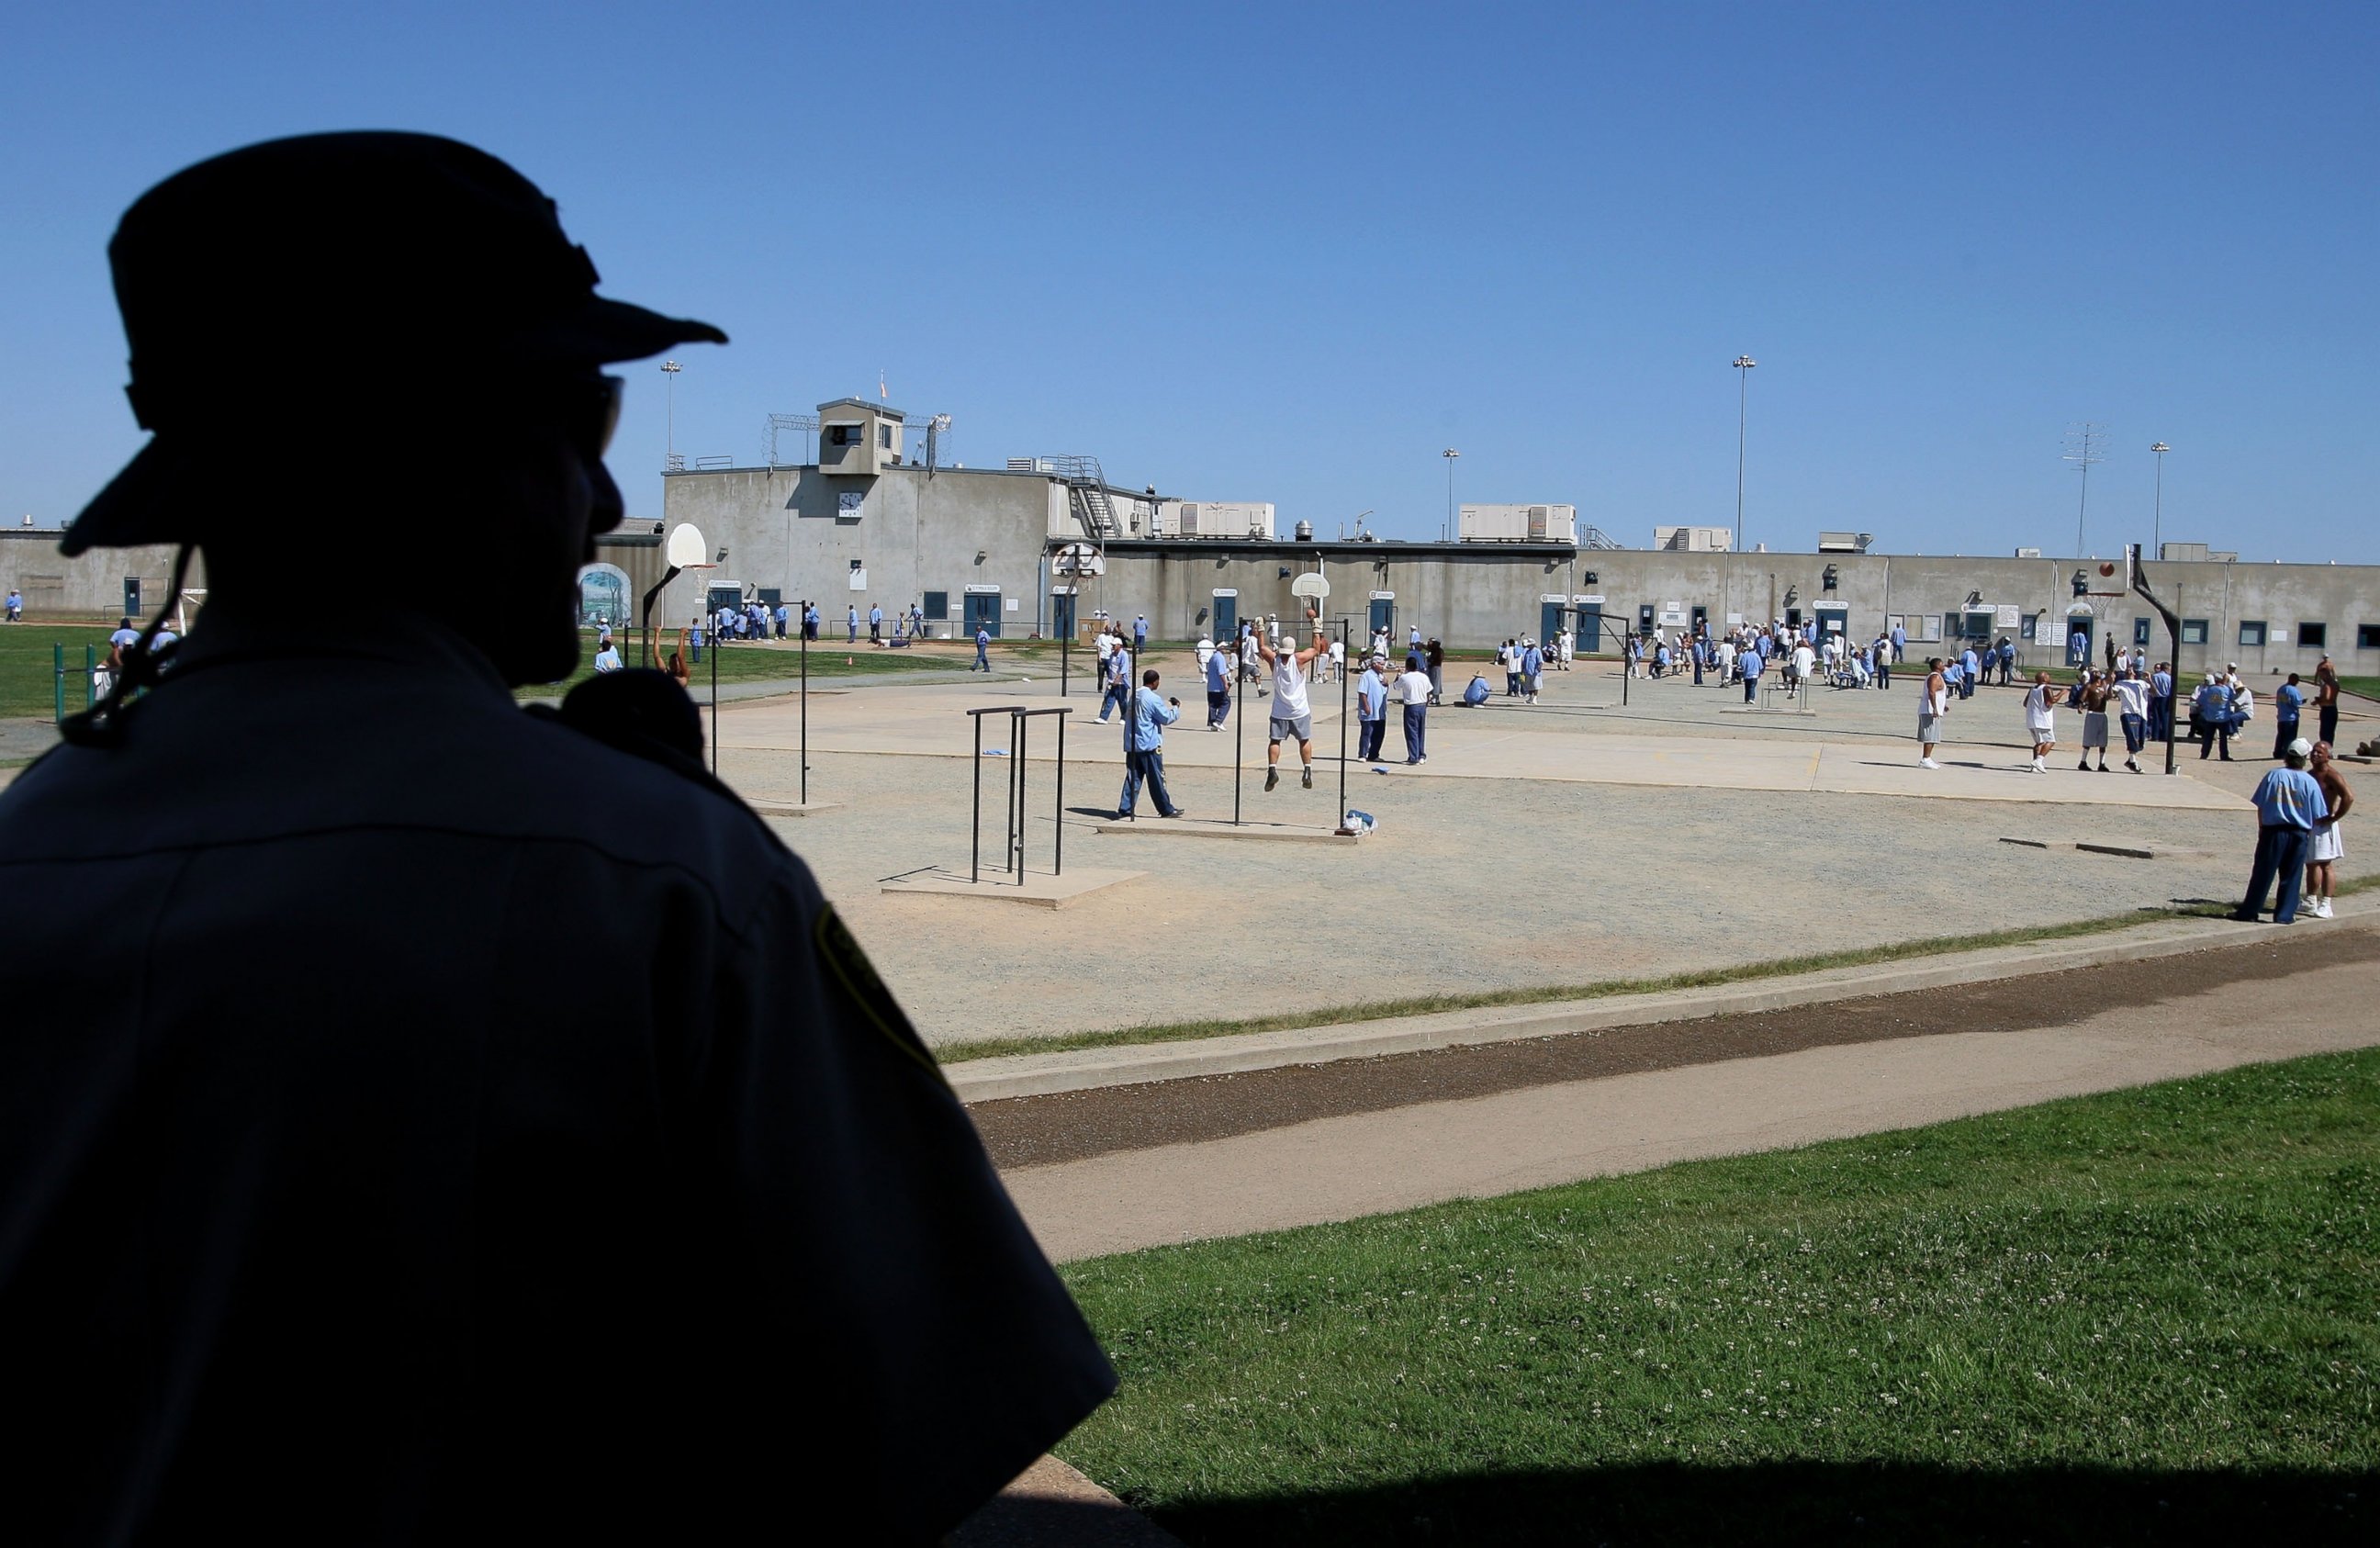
[224,636]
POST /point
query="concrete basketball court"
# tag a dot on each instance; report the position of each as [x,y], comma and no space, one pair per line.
[1569,842]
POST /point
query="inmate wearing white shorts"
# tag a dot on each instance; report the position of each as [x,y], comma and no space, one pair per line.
[2327,845]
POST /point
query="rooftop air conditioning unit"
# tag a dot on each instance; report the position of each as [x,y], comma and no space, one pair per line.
[1189,518]
[1536,524]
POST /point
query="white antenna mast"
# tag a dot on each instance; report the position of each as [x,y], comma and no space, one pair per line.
[2085,445]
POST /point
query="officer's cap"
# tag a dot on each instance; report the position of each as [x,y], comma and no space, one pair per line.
[359,263]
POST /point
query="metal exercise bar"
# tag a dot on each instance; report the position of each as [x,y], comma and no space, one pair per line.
[1346,680]
[1013,815]
[1018,729]
[1239,719]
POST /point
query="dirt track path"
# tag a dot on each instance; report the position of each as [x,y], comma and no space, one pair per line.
[1132,1167]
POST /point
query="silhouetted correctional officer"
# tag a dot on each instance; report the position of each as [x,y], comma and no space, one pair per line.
[423,1120]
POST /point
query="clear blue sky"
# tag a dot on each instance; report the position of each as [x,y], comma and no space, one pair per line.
[1290,252]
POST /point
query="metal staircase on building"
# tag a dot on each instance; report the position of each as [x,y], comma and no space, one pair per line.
[1087,491]
[1595,537]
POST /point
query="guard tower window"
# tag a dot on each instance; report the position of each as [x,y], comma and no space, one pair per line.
[844,435]
[884,437]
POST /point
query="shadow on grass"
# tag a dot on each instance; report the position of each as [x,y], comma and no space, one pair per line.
[1808,1503]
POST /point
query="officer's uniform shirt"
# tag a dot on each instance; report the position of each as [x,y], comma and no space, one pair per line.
[421,1122]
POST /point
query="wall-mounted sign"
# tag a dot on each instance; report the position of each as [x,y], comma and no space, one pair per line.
[983,590]
[848,504]
[1597,599]
[1008,604]
[859,578]
[1227,591]
[1384,596]
[2007,616]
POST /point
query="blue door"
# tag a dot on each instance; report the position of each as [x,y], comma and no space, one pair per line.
[1590,627]
[983,612]
[1550,621]
[1061,615]
[1227,617]
[1384,616]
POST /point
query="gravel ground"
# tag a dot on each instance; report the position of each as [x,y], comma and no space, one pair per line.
[1469,885]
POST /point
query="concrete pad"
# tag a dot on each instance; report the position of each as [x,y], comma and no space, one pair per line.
[1200,827]
[2139,848]
[2129,848]
[1051,1504]
[1342,1167]
[1039,889]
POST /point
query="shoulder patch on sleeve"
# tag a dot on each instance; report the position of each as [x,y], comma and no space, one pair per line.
[839,950]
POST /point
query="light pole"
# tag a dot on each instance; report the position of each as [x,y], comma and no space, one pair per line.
[669,372]
[2156,531]
[1744,364]
[1449,455]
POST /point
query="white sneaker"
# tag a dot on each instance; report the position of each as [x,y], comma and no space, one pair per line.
[1927,763]
[2321,908]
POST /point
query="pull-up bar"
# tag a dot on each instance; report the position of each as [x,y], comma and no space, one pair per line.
[1013,852]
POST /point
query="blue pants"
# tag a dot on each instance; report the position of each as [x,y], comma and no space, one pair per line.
[1113,699]
[1751,688]
[1149,766]
[1883,670]
[2160,716]
[2280,855]
[2284,733]
[1219,706]
[982,660]
[2136,734]
[1368,736]
[1414,713]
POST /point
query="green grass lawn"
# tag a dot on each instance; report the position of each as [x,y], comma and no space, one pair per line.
[2149,1315]
[28,677]
[27,681]
[753,662]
